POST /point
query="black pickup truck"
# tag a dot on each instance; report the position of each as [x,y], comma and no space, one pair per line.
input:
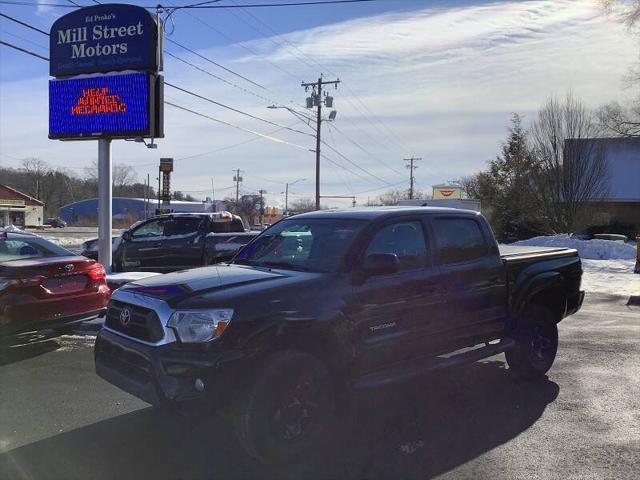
[167,243]
[325,304]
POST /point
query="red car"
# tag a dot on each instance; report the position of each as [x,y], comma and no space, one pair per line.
[43,285]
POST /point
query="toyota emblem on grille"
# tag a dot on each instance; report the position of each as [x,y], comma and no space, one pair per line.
[125,317]
[69,267]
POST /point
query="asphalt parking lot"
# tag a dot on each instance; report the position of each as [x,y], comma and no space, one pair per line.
[60,421]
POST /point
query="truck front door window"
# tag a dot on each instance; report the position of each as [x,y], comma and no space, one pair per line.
[154,228]
[314,245]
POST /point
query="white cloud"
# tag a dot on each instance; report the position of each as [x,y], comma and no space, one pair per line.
[443,80]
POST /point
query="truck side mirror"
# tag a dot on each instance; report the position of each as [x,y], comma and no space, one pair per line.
[126,235]
[381,264]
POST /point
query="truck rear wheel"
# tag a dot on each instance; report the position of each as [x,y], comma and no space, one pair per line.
[288,409]
[536,344]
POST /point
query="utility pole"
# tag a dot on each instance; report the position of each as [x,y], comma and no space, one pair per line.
[286,194]
[262,192]
[317,100]
[147,197]
[411,168]
[237,178]
[286,199]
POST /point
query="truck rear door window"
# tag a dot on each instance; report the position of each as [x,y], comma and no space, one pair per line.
[184,225]
[405,240]
[458,240]
[230,226]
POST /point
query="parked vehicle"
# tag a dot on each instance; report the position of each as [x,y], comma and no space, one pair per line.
[43,285]
[167,243]
[90,247]
[324,304]
[56,222]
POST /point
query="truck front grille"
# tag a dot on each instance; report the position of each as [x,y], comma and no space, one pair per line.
[134,321]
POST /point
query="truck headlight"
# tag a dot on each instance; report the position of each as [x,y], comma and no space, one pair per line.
[197,326]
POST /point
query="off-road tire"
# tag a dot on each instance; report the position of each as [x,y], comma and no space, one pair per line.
[536,344]
[260,420]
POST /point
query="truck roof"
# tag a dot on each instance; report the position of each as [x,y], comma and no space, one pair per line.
[373,213]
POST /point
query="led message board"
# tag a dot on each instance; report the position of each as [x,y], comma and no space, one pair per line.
[105,38]
[112,106]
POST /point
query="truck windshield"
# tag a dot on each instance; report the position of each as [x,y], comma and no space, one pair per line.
[314,245]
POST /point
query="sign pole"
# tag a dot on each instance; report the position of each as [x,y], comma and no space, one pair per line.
[104,202]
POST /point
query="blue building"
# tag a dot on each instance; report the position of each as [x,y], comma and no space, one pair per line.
[128,209]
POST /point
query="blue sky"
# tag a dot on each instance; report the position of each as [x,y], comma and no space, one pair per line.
[436,80]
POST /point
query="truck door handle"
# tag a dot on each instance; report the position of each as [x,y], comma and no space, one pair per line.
[157,245]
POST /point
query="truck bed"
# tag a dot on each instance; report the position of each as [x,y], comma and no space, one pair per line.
[518,252]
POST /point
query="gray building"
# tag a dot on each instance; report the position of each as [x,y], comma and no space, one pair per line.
[622,203]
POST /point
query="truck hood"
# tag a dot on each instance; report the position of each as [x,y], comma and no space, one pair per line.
[186,283]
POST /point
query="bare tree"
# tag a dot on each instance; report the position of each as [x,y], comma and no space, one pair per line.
[620,121]
[630,10]
[302,205]
[122,176]
[616,119]
[571,170]
[392,197]
[36,170]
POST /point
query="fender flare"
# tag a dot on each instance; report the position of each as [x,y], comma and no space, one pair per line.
[539,283]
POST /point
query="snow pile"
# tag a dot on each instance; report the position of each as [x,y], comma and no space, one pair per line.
[613,277]
[588,249]
[68,241]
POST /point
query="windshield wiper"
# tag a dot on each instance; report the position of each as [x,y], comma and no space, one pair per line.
[245,261]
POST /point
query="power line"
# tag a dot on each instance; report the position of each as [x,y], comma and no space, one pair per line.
[19,37]
[216,63]
[23,50]
[268,137]
[332,125]
[235,109]
[224,80]
[8,17]
[303,58]
[344,157]
[236,42]
[203,6]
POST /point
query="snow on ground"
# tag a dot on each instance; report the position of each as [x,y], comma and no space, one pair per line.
[607,265]
[588,249]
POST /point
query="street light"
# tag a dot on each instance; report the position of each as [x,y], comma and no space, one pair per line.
[297,114]
[286,195]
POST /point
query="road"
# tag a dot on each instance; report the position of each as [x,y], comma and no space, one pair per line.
[60,421]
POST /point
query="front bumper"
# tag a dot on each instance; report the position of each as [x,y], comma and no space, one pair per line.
[166,374]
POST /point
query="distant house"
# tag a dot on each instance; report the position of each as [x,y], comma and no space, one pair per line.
[622,204]
[19,209]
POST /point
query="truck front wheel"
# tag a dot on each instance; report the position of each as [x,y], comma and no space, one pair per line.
[288,409]
[536,344]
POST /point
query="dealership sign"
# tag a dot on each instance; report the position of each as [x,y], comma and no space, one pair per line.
[106,59]
[104,38]
[114,106]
